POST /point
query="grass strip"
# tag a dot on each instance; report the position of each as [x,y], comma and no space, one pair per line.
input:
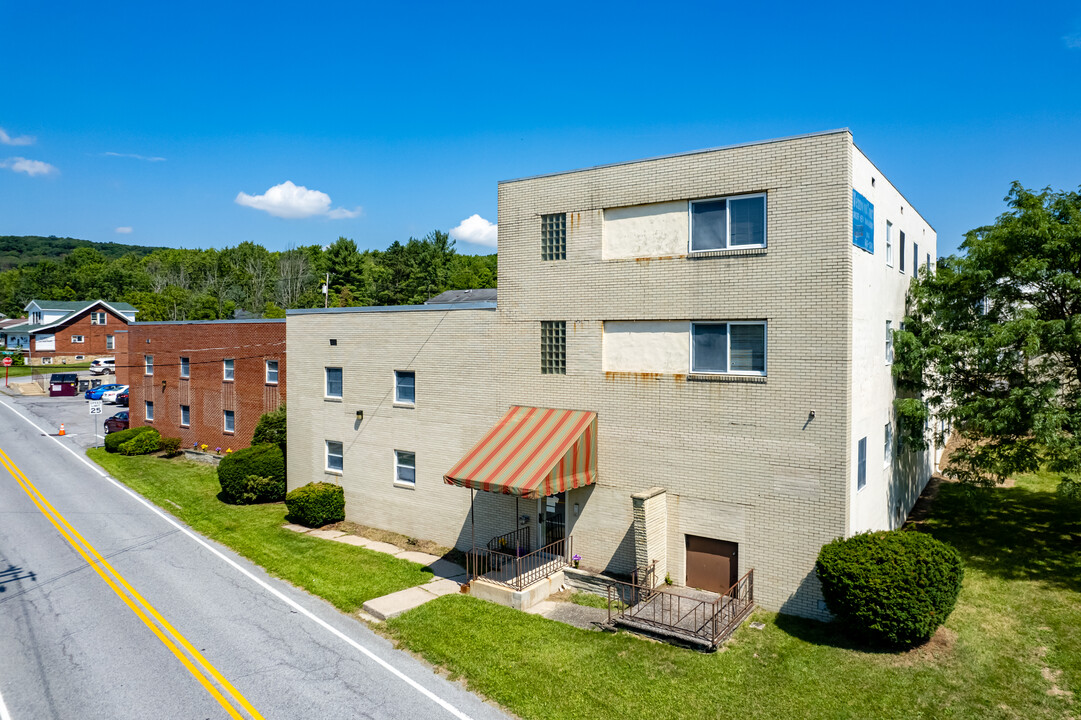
[345,575]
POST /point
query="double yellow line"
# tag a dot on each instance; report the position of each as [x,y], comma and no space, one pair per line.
[191,658]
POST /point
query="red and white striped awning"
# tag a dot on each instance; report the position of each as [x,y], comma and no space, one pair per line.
[532,452]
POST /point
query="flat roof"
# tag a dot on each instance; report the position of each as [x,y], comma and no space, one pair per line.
[680,154]
[444,307]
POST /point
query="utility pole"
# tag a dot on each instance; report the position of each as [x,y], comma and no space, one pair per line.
[326,291]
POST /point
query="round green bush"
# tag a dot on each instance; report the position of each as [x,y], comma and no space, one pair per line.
[113,440]
[316,504]
[890,588]
[262,461]
[255,489]
[143,443]
[171,446]
[270,428]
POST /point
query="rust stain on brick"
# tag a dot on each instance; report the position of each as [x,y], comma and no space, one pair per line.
[635,376]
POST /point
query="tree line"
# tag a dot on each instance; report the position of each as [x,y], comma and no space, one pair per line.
[182,284]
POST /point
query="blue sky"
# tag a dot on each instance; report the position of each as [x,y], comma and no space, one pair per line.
[401,118]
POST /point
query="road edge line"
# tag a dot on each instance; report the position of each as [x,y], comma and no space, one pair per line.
[243,571]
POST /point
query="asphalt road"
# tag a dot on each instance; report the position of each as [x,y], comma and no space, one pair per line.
[134,616]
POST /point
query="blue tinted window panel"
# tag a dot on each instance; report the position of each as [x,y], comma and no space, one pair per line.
[709,225]
[710,348]
[863,223]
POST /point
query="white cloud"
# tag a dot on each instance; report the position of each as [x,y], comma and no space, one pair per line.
[1073,41]
[294,201]
[124,230]
[30,167]
[475,229]
[6,139]
[133,156]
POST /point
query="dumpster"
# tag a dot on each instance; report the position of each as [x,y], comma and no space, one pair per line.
[63,385]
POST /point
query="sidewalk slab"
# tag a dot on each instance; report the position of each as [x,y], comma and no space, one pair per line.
[351,540]
[296,528]
[326,534]
[442,587]
[393,605]
[381,546]
[418,557]
[446,569]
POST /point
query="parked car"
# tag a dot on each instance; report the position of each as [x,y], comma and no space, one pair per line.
[109,396]
[103,366]
[96,393]
[63,385]
[122,399]
[117,422]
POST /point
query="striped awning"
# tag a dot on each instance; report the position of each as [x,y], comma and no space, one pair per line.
[532,452]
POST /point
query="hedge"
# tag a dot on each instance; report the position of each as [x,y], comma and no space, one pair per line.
[171,446]
[270,428]
[891,588]
[262,461]
[316,504]
[113,440]
[143,443]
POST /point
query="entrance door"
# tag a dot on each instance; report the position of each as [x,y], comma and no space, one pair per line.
[711,564]
[553,518]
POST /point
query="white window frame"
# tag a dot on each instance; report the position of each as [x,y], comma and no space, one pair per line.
[405,483]
[889,342]
[148,364]
[327,454]
[46,360]
[397,399]
[889,244]
[110,342]
[98,317]
[887,444]
[728,352]
[185,423]
[228,370]
[861,476]
[78,341]
[728,223]
[148,410]
[266,371]
[185,367]
[225,421]
[326,383]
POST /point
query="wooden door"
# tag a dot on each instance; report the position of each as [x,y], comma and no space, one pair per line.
[711,564]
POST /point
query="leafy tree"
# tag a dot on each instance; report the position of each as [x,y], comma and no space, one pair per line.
[993,344]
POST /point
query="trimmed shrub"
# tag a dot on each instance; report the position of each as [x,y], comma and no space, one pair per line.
[255,489]
[890,588]
[270,428]
[263,461]
[113,440]
[316,504]
[171,446]
[142,444]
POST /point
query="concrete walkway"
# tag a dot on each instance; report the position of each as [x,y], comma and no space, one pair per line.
[448,576]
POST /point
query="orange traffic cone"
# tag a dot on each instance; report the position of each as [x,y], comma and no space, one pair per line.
[61,428]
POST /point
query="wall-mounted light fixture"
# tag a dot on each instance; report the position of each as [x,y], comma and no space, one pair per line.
[360,415]
[163,385]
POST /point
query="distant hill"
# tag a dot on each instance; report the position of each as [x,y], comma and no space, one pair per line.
[16,250]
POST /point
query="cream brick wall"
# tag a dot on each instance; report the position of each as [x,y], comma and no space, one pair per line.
[739,458]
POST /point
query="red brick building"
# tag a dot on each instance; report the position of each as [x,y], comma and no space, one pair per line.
[60,332]
[204,381]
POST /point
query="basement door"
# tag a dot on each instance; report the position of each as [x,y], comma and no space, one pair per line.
[711,564]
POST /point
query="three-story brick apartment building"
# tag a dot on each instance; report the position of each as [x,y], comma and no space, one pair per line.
[205,381]
[688,363]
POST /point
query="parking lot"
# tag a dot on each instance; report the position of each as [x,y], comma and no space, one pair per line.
[81,428]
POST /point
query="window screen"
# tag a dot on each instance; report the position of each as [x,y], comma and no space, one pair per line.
[748,344]
[334,382]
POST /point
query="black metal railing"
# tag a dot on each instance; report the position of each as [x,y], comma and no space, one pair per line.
[519,571]
[704,621]
[516,542]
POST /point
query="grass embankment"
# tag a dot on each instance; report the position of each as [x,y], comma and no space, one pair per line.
[1011,649]
[44,371]
[345,575]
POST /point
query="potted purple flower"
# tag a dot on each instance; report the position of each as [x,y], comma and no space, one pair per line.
[576,559]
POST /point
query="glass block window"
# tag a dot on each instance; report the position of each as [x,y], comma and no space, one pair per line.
[553,347]
[554,237]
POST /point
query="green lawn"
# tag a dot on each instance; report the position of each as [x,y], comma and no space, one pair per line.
[1011,649]
[345,575]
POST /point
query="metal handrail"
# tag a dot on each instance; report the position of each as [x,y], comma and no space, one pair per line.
[513,542]
[519,571]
